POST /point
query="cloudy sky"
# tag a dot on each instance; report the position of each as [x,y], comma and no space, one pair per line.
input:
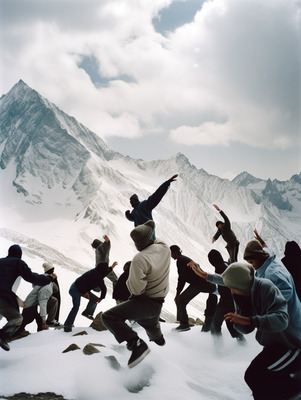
[217,80]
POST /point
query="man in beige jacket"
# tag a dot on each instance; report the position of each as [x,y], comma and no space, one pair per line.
[148,284]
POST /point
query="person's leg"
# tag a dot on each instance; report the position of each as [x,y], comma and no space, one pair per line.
[217,321]
[211,304]
[52,306]
[185,297]
[13,317]
[268,375]
[91,306]
[76,297]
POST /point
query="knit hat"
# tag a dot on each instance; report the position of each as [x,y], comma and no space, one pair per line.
[47,266]
[96,243]
[239,276]
[134,196]
[142,234]
[15,251]
[254,250]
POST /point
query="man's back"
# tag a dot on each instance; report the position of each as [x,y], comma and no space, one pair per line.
[149,273]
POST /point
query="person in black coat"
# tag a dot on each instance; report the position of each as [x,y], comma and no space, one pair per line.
[196,285]
[142,210]
[292,262]
[121,292]
[224,230]
[226,303]
[11,267]
[82,287]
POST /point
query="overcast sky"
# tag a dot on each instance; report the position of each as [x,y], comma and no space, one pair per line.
[217,80]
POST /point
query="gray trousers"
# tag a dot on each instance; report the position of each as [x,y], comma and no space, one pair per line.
[14,319]
[142,309]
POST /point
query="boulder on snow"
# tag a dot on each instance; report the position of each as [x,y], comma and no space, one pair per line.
[72,347]
[97,323]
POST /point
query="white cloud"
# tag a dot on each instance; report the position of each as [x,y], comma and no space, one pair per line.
[236,62]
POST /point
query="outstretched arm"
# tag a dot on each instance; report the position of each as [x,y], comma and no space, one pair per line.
[260,240]
[197,269]
[156,197]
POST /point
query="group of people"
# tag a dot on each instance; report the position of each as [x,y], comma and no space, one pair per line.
[261,293]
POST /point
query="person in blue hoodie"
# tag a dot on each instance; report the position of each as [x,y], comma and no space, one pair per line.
[274,372]
[142,210]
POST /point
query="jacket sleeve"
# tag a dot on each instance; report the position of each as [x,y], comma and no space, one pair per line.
[217,235]
[129,216]
[101,288]
[274,316]
[216,278]
[136,282]
[156,197]
[226,219]
[33,277]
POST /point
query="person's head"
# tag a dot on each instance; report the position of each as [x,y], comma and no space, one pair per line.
[175,251]
[239,277]
[254,254]
[219,224]
[126,266]
[48,268]
[15,251]
[134,200]
[103,268]
[292,249]
[215,258]
[96,243]
[142,235]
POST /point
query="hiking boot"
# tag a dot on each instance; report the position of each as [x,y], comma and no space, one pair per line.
[160,341]
[139,352]
[89,316]
[4,345]
[182,328]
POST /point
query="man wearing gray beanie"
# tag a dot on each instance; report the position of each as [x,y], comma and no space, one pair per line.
[273,374]
[148,284]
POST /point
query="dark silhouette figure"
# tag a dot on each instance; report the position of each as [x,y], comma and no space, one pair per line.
[292,262]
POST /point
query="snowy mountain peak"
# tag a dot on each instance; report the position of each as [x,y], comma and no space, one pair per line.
[59,168]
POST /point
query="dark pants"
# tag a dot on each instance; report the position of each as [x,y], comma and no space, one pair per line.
[14,319]
[233,252]
[269,374]
[76,298]
[188,294]
[142,309]
[219,317]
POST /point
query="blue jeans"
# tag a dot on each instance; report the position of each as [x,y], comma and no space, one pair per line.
[142,309]
[76,297]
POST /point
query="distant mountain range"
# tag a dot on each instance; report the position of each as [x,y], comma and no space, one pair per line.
[63,186]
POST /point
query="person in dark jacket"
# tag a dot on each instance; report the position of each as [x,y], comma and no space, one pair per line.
[196,285]
[82,287]
[121,292]
[11,267]
[224,230]
[292,262]
[142,210]
[226,303]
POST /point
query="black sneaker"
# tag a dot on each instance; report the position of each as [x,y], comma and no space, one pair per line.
[87,316]
[4,345]
[139,352]
[182,328]
[160,341]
